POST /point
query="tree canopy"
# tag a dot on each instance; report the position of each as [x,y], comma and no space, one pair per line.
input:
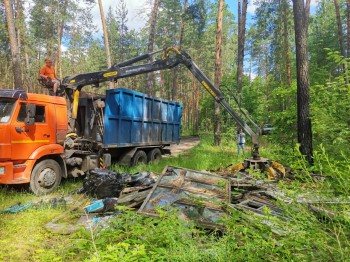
[64,29]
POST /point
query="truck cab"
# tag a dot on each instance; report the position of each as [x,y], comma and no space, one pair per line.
[32,132]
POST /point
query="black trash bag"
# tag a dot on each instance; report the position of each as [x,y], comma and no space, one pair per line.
[142,179]
[102,183]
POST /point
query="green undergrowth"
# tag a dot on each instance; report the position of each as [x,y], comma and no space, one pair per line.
[131,237]
[314,223]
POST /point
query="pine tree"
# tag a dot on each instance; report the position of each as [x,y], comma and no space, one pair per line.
[153,23]
[16,61]
[218,58]
[301,16]
[242,13]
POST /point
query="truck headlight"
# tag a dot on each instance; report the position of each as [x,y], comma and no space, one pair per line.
[2,170]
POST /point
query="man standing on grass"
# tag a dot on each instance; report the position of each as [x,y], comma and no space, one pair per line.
[240,141]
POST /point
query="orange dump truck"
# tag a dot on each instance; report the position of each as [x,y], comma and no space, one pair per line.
[36,146]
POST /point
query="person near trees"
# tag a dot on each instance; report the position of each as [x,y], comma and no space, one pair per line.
[240,141]
[48,73]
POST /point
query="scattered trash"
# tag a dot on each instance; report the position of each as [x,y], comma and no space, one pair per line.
[88,220]
[52,202]
[96,222]
[63,228]
[202,197]
[253,195]
[95,206]
[16,208]
[102,183]
[258,201]
[133,196]
[199,196]
[101,206]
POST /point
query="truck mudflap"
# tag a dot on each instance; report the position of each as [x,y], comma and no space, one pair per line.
[11,173]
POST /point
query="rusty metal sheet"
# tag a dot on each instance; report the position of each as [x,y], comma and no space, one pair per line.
[199,196]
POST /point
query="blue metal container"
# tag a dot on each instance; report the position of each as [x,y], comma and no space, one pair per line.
[135,119]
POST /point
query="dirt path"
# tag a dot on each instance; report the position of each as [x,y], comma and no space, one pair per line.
[186,143]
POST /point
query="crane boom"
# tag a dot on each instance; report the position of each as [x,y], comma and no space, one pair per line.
[128,69]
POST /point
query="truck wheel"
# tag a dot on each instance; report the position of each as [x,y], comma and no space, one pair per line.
[140,157]
[45,177]
[154,156]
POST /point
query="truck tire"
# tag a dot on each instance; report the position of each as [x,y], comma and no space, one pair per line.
[140,157]
[45,177]
[154,156]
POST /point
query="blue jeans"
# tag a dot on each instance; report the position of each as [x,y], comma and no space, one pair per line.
[240,146]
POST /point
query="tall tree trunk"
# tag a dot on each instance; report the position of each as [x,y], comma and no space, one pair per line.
[250,69]
[162,73]
[72,59]
[217,77]
[196,107]
[152,30]
[60,27]
[105,37]
[340,29]
[340,37]
[49,31]
[1,74]
[242,13]
[16,61]
[301,15]
[286,41]
[285,18]
[6,69]
[22,42]
[266,54]
[177,69]
[348,26]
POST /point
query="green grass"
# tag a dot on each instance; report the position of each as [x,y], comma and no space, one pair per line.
[203,157]
[300,236]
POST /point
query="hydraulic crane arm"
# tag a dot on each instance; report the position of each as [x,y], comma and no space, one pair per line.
[127,69]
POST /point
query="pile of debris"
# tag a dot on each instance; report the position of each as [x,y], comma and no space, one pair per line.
[202,197]
[128,190]
[198,196]
[206,198]
[254,195]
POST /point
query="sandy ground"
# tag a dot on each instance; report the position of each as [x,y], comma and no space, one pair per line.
[186,143]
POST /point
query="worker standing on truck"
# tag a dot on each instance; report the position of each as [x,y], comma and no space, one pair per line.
[48,73]
[240,141]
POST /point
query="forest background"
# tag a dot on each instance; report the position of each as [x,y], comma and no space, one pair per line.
[65,30]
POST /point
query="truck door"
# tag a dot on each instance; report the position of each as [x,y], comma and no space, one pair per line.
[25,139]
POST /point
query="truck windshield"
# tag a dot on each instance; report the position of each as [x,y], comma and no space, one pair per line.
[6,109]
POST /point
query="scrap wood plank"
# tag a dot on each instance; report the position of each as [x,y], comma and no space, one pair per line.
[257,205]
[205,191]
[133,198]
[202,203]
[128,190]
[176,192]
[205,180]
